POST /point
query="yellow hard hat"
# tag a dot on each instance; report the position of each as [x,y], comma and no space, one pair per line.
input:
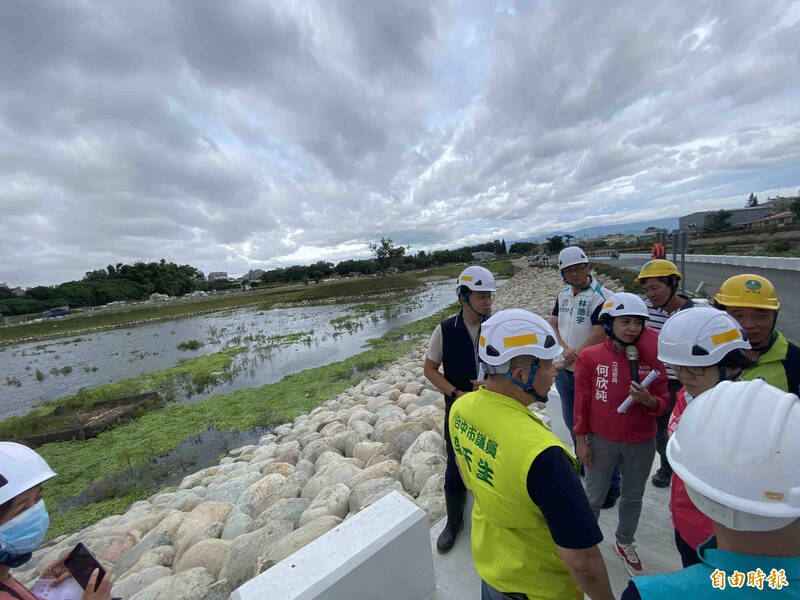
[752,291]
[659,268]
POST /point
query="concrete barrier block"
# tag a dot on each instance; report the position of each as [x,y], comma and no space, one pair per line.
[763,262]
[382,552]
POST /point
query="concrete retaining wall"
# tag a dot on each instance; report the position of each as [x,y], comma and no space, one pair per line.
[382,552]
[761,262]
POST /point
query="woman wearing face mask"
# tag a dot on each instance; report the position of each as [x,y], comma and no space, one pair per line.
[24,522]
[704,346]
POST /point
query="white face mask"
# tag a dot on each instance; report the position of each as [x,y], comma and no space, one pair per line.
[25,532]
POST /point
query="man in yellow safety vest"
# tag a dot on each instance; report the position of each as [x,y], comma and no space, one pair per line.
[533,531]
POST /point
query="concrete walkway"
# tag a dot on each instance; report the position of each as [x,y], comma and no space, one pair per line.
[456,578]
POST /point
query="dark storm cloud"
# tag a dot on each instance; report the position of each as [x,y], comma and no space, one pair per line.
[234,135]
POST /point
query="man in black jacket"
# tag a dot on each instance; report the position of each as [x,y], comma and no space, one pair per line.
[454,345]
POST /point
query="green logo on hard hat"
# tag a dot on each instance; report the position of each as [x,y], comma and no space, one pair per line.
[752,285]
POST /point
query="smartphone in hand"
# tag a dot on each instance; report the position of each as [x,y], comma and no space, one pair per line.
[80,563]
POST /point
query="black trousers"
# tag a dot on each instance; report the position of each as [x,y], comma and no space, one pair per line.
[688,554]
[452,478]
[663,422]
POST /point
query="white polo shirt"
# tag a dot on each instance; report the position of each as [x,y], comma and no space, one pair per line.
[577,313]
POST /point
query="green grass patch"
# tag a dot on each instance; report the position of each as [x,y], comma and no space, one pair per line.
[133,315]
[59,414]
[498,267]
[362,286]
[300,337]
[80,463]
[190,345]
[268,298]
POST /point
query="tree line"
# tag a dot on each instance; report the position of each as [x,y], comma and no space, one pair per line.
[114,283]
[387,257]
[139,280]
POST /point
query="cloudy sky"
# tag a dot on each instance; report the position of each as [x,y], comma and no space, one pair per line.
[235,135]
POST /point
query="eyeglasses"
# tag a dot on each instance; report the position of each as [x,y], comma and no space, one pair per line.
[693,371]
[576,268]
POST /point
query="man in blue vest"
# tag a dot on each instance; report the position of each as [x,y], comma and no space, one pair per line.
[736,449]
[454,344]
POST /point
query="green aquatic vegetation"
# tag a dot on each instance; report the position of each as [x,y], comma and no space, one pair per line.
[65,370]
[190,345]
[79,463]
[42,418]
[39,375]
[282,341]
[13,381]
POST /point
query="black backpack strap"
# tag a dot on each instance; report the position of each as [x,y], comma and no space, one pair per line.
[791,364]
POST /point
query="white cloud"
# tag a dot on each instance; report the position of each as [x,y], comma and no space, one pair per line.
[257,134]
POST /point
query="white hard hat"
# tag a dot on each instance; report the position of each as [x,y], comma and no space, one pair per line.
[699,337]
[20,469]
[624,304]
[571,255]
[479,279]
[737,448]
[515,332]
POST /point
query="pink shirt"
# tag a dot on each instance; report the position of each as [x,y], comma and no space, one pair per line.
[692,525]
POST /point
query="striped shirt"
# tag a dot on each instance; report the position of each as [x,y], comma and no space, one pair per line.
[658,316]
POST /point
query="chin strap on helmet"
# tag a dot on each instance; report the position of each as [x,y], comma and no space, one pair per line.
[578,287]
[464,294]
[527,387]
[608,325]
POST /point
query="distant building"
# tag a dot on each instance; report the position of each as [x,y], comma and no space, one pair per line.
[483,256]
[618,238]
[254,274]
[779,220]
[739,216]
[17,291]
[217,275]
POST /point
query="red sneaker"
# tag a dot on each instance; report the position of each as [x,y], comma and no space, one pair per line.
[627,552]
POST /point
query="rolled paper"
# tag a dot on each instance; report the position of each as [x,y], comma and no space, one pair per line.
[651,377]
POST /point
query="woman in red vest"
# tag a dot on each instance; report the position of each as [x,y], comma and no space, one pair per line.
[615,414]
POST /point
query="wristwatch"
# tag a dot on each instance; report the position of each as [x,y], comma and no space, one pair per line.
[454,395]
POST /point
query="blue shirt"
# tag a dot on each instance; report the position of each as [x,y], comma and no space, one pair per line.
[696,581]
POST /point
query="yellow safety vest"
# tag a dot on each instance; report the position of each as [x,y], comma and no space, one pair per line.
[496,440]
[770,366]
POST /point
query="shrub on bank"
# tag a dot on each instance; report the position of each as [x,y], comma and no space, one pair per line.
[625,277]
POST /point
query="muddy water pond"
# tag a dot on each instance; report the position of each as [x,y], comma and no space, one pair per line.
[276,343]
